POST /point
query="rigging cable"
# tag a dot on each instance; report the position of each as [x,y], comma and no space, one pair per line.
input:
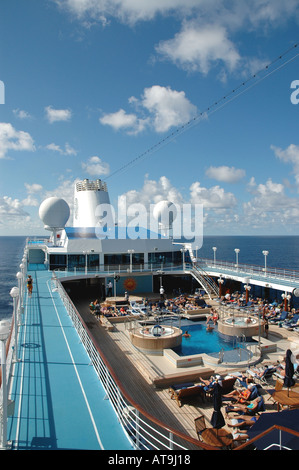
[216,106]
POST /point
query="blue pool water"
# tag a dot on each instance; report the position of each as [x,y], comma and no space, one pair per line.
[201,341]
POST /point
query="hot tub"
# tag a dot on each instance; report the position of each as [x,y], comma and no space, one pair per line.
[154,339]
[240,326]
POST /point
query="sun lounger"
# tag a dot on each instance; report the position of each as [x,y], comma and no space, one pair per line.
[262,375]
[290,324]
[182,391]
[281,318]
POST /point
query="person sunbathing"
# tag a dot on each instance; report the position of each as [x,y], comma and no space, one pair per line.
[254,406]
[244,395]
[244,421]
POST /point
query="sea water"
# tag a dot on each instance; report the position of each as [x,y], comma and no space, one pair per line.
[283,254]
[11,254]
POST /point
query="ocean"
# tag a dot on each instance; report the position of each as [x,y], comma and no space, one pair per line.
[11,254]
[283,253]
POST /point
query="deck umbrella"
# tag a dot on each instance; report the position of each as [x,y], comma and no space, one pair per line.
[286,418]
[289,370]
[217,420]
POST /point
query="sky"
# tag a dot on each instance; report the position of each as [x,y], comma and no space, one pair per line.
[190,101]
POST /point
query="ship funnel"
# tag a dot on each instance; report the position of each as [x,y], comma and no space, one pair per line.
[92,206]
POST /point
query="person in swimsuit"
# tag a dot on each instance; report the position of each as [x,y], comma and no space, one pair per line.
[29,284]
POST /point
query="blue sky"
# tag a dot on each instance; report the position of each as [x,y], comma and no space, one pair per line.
[92,85]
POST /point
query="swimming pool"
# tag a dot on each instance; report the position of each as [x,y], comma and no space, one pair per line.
[202,341]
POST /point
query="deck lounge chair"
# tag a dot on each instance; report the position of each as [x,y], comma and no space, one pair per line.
[182,391]
[228,384]
[292,322]
[262,376]
[283,316]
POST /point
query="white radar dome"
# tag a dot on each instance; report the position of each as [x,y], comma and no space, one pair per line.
[54,212]
[165,212]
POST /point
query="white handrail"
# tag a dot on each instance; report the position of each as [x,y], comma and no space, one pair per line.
[141,432]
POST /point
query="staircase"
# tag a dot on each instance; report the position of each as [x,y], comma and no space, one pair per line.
[206,282]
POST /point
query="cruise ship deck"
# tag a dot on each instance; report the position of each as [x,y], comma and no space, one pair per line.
[59,402]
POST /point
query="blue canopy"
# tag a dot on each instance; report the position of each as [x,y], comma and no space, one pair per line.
[286,418]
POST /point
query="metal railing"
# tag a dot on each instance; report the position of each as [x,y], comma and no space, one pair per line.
[144,431]
[247,269]
[274,445]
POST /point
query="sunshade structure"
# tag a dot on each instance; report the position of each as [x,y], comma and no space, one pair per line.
[217,419]
[276,438]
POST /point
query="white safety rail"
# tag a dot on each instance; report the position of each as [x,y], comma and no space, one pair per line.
[145,433]
[247,270]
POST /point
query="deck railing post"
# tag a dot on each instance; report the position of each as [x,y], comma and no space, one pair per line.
[171,440]
[137,430]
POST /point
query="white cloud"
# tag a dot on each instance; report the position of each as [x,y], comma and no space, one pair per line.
[164,107]
[33,188]
[210,35]
[225,173]
[167,107]
[96,167]
[11,139]
[151,193]
[214,197]
[289,155]
[68,150]
[21,114]
[235,12]
[11,208]
[54,115]
[122,120]
[270,205]
[197,47]
[127,11]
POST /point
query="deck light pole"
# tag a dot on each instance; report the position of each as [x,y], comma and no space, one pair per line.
[183,251]
[220,282]
[265,253]
[131,259]
[247,288]
[22,266]
[20,278]
[5,326]
[237,251]
[15,296]
[214,249]
[286,297]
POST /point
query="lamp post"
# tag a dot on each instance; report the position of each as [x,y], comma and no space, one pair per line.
[160,273]
[20,286]
[15,296]
[265,253]
[237,251]
[286,297]
[183,251]
[220,282]
[247,288]
[214,249]
[22,266]
[5,326]
[131,259]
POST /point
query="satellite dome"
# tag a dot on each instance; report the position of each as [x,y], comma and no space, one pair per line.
[54,212]
[165,212]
